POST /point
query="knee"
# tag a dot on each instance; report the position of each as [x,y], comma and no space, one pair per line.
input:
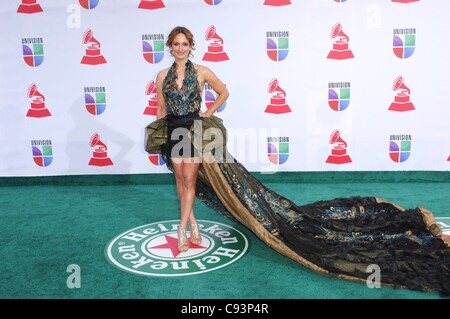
[188,182]
[179,177]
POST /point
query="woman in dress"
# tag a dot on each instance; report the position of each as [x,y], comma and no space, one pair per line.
[179,91]
[344,238]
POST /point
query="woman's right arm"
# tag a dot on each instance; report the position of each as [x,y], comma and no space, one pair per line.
[161,111]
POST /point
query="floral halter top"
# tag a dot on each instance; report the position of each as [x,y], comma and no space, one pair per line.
[184,100]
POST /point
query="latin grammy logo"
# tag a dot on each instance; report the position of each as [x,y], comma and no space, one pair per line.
[215,51]
[99,156]
[29,6]
[151,4]
[340,49]
[37,108]
[339,151]
[405,1]
[152,106]
[401,100]
[93,55]
[278,100]
[277,3]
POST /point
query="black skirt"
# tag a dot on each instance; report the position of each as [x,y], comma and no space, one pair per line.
[178,142]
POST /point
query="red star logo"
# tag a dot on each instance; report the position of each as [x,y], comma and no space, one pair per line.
[172,244]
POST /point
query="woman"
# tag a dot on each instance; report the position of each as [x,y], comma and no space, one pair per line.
[343,238]
[179,91]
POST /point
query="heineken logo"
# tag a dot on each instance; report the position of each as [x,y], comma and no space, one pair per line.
[444,223]
[152,249]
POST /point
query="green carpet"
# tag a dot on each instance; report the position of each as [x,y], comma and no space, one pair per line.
[49,223]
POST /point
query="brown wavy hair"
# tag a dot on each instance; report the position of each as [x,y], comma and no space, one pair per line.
[187,33]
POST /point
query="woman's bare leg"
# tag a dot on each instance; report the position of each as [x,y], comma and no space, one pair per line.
[186,176]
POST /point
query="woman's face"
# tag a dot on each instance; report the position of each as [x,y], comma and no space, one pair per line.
[180,46]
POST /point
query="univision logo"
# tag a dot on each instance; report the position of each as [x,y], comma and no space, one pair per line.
[277,3]
[277,45]
[89,4]
[213,2]
[151,250]
[400,147]
[339,95]
[33,51]
[95,99]
[404,42]
[42,152]
[278,149]
[153,47]
[210,98]
[156,159]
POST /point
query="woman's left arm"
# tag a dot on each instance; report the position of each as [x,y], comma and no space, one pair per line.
[217,85]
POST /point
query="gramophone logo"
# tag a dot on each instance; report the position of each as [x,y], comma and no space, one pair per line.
[213,2]
[210,98]
[89,4]
[215,51]
[33,51]
[277,3]
[37,107]
[339,95]
[95,99]
[152,106]
[404,1]
[151,4]
[42,152]
[277,45]
[93,55]
[278,149]
[404,42]
[340,49]
[339,151]
[402,95]
[29,6]
[400,147]
[156,159]
[100,155]
[153,47]
[277,103]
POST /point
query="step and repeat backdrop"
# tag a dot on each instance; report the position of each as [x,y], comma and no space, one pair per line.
[315,85]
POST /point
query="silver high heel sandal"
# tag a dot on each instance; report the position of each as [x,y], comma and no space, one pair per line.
[183,244]
[195,234]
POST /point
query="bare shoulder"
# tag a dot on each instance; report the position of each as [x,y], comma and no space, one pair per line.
[204,72]
[201,69]
[162,74]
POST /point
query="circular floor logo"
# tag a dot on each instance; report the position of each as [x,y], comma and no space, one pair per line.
[151,250]
[444,222]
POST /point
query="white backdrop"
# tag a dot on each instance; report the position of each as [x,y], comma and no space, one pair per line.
[325,83]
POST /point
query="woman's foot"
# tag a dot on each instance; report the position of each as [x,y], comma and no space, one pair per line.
[183,244]
[195,234]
